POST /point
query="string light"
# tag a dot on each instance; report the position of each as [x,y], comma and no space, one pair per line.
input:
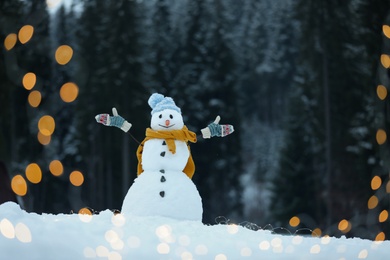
[372,202]
[344,226]
[383,216]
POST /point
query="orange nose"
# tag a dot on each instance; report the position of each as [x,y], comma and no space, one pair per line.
[167,122]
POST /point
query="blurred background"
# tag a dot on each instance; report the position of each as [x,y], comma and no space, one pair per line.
[304,83]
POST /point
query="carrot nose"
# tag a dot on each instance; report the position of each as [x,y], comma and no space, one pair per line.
[167,122]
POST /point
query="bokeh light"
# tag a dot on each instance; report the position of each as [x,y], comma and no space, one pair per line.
[34,98]
[10,41]
[385,60]
[102,251]
[372,202]
[46,125]
[85,215]
[25,33]
[53,3]
[163,248]
[19,185]
[69,92]
[76,178]
[294,221]
[63,54]
[29,80]
[264,245]
[380,237]
[383,216]
[43,139]
[220,257]
[315,249]
[386,30]
[381,136]
[317,232]
[376,183]
[23,233]
[381,91]
[344,226]
[7,229]
[363,254]
[56,168]
[33,173]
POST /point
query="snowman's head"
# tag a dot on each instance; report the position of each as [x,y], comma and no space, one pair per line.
[165,114]
[166,120]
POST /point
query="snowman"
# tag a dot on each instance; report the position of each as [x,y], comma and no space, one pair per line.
[163,186]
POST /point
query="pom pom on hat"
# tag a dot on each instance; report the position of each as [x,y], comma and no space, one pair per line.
[158,103]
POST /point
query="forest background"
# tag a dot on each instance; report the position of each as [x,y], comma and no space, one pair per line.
[303,82]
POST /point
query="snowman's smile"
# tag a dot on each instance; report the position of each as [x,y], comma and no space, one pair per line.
[166,126]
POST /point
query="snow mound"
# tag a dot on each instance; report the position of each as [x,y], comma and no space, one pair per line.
[72,236]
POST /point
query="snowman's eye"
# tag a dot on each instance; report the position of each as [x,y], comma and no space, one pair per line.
[171,116]
[160,116]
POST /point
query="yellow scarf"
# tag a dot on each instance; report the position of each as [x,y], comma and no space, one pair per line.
[170,136]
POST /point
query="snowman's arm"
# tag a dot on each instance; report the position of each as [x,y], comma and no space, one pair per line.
[114,120]
[215,129]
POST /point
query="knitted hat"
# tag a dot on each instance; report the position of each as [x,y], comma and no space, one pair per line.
[158,103]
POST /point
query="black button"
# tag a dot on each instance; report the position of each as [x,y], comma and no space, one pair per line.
[162,171]
[162,194]
[164,143]
[163,179]
[162,154]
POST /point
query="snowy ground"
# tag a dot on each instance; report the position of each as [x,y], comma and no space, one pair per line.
[31,236]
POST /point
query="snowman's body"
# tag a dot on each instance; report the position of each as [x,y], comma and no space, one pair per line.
[163,189]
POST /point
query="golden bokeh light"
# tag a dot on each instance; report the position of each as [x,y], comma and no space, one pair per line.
[381,136]
[381,91]
[376,182]
[69,92]
[25,33]
[85,211]
[317,232]
[294,221]
[386,30]
[63,54]
[34,98]
[10,41]
[383,216]
[76,178]
[33,173]
[344,226]
[56,168]
[380,237]
[29,80]
[46,125]
[385,60]
[19,185]
[43,139]
[372,202]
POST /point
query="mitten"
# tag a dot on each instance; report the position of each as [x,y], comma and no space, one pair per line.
[214,129]
[115,120]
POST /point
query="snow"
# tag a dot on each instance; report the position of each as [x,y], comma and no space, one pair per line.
[72,236]
[181,198]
